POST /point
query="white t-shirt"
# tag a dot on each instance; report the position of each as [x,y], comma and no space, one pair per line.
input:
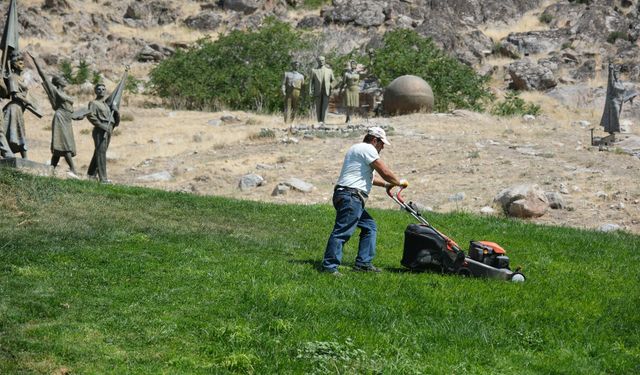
[357,171]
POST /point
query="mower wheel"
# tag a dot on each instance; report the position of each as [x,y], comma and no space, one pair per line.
[464,272]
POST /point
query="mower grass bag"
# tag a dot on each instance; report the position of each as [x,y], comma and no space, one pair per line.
[425,247]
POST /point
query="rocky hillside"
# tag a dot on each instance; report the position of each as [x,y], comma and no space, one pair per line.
[536,44]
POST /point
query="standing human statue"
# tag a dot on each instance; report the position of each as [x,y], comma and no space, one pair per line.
[291,88]
[13,112]
[322,81]
[616,96]
[351,85]
[63,143]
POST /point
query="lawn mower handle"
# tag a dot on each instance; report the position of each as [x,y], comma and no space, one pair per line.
[396,197]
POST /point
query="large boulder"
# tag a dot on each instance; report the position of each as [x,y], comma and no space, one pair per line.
[523,201]
[408,94]
[528,75]
[204,21]
[360,12]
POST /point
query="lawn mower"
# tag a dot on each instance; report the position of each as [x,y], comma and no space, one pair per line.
[427,248]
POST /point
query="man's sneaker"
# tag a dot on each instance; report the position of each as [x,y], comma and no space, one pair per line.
[334,273]
[366,268]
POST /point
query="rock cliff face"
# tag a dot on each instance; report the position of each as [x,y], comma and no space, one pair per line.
[571,39]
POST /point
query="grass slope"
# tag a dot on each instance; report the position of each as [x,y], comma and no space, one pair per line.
[110,279]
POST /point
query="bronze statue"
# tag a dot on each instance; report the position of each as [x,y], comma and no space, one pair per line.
[103,113]
[616,96]
[322,81]
[13,112]
[291,88]
[63,143]
[351,86]
[101,118]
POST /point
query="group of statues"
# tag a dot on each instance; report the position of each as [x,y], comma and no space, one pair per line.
[101,115]
[322,83]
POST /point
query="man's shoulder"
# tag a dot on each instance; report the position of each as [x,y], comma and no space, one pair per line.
[363,147]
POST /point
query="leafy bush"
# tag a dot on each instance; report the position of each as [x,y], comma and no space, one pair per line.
[80,76]
[514,105]
[242,70]
[454,84]
[314,4]
[545,18]
[615,35]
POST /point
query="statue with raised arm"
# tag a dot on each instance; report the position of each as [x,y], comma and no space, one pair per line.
[616,96]
[63,143]
[322,81]
[291,88]
[351,85]
[13,112]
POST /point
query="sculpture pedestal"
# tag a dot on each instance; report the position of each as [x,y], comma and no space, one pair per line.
[27,166]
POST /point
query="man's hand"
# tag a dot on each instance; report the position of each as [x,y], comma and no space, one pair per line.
[404,183]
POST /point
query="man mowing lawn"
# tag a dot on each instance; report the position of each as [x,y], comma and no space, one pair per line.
[349,197]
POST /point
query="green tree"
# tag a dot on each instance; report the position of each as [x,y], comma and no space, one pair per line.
[454,84]
[241,70]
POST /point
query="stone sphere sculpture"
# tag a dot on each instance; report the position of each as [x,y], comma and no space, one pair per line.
[408,94]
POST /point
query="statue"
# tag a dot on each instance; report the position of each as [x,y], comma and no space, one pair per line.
[616,96]
[322,81]
[291,87]
[13,112]
[351,82]
[63,143]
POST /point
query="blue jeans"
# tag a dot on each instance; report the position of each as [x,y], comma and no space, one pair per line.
[350,214]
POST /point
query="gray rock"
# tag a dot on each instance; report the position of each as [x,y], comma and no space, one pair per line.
[156,177]
[298,184]
[419,207]
[280,189]
[523,201]
[609,227]
[556,201]
[244,6]
[360,12]
[214,122]
[250,181]
[457,197]
[527,75]
[486,210]
[204,21]
[311,22]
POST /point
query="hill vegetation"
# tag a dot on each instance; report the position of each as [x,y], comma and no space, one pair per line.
[243,70]
[114,279]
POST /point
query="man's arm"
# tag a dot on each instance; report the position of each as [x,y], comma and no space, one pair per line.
[387,175]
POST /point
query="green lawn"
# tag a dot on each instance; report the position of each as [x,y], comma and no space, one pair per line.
[101,279]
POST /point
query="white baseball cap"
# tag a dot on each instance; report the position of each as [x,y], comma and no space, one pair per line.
[378,132]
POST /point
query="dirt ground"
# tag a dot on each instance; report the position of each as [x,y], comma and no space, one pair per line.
[440,154]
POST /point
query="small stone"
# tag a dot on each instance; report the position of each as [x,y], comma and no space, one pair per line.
[609,227]
[486,210]
[280,189]
[250,181]
[457,197]
[529,118]
[602,195]
[159,176]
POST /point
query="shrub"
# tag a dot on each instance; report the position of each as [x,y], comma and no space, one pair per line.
[615,35]
[454,84]
[514,105]
[545,18]
[241,70]
[80,76]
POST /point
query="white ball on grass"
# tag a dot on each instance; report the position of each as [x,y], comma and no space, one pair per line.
[517,278]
